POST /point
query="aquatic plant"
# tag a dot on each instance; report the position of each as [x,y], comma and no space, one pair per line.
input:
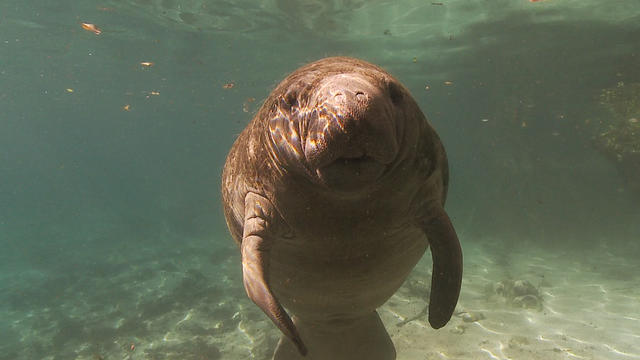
[623,100]
[618,137]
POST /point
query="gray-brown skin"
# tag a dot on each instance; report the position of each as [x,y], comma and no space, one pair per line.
[333,193]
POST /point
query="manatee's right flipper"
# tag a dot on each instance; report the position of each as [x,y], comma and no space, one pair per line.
[446,276]
[256,244]
[363,338]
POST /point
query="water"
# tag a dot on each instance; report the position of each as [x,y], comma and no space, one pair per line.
[113,243]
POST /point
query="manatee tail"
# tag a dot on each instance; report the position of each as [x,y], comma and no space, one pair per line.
[363,338]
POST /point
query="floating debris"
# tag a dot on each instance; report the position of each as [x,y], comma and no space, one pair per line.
[147,63]
[448,83]
[246,106]
[151,93]
[229,85]
[91,27]
[126,107]
[69,90]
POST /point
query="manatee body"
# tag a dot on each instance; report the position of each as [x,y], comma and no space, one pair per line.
[333,193]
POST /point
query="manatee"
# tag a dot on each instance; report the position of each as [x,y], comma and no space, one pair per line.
[333,192]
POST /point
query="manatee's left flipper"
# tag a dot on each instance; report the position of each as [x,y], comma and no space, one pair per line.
[446,276]
[256,244]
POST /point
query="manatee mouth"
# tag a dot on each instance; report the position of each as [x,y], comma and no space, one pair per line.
[353,160]
[351,173]
[352,164]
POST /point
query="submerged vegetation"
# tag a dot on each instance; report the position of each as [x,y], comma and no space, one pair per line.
[619,135]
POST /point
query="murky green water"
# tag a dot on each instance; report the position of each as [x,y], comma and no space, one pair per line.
[112,241]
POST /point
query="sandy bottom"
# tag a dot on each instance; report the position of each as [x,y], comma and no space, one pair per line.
[529,304]
[516,303]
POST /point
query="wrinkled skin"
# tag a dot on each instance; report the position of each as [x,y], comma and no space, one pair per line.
[333,192]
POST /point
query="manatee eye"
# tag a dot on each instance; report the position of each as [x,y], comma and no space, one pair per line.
[395,92]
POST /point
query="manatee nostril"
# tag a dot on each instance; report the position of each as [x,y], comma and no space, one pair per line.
[360,95]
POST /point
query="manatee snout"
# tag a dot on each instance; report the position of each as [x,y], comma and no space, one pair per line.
[351,95]
[352,131]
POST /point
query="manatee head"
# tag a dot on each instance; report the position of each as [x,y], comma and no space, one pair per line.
[338,121]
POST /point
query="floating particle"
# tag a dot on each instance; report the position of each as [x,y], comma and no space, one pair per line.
[437,3]
[69,90]
[484,120]
[246,106]
[147,64]
[229,85]
[415,59]
[152,93]
[126,107]
[91,27]
[387,32]
[448,83]
[427,87]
